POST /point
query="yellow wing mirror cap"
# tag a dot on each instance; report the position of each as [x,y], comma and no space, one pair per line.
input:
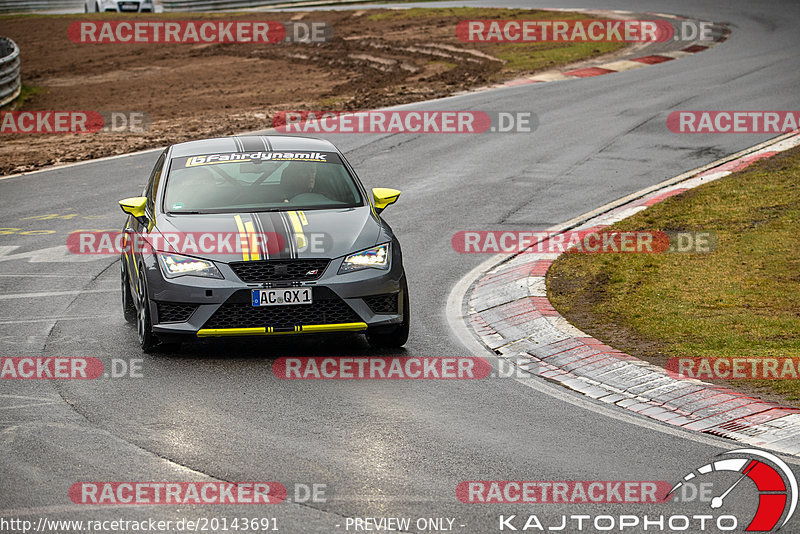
[133,206]
[383,196]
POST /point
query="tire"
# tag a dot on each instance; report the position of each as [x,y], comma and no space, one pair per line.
[397,336]
[128,305]
[144,323]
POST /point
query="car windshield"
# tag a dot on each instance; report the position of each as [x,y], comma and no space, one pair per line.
[260,181]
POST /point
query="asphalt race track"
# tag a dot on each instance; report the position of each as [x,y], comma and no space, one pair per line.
[215,411]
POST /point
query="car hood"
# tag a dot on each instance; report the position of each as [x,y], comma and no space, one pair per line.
[329,233]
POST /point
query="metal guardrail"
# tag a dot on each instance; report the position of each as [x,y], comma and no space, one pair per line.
[77,6]
[224,5]
[10,81]
[21,6]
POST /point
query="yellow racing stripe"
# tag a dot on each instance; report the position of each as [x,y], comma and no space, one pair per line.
[242,238]
[253,238]
[270,331]
[300,236]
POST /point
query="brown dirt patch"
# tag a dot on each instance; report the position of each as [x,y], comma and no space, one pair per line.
[194,91]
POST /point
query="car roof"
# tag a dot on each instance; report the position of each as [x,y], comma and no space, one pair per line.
[248,143]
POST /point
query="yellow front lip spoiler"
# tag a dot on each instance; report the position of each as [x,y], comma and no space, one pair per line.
[268,330]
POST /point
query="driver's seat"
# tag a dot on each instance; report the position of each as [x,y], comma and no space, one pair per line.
[295,180]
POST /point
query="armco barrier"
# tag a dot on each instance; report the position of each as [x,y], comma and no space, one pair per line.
[10,82]
[21,6]
[77,6]
[223,5]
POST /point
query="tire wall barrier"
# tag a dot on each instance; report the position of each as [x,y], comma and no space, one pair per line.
[10,81]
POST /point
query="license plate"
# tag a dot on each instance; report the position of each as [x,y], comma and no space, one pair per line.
[282,297]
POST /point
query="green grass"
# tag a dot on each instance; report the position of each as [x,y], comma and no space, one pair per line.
[445,64]
[26,93]
[331,102]
[519,57]
[539,56]
[743,300]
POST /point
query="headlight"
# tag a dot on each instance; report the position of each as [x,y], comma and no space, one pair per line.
[173,265]
[372,258]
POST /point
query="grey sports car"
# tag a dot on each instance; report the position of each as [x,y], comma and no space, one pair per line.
[260,235]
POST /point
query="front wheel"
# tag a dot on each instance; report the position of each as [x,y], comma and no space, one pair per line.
[128,305]
[397,337]
[144,324]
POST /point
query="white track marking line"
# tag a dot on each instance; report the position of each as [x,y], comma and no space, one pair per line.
[459,94]
[623,65]
[86,162]
[35,275]
[51,319]
[467,337]
[54,293]
[671,181]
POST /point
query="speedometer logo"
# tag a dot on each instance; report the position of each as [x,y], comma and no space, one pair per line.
[775,484]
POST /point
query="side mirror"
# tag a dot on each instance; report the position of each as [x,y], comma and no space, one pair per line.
[383,197]
[134,206]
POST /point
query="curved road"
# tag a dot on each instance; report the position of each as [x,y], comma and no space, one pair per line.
[215,410]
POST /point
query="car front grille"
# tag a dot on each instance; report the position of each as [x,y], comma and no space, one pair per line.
[279,270]
[237,312]
[174,312]
[386,303]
